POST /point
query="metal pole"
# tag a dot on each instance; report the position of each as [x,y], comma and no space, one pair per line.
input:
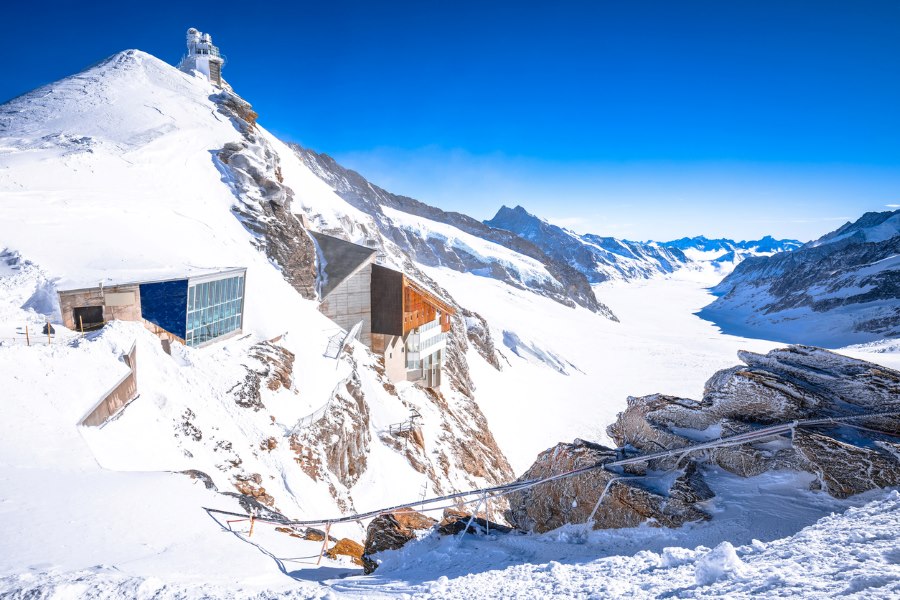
[324,543]
[81,322]
[48,333]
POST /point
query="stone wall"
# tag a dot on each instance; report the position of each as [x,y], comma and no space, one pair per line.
[121,302]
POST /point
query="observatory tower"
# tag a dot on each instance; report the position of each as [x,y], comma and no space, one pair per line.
[202,56]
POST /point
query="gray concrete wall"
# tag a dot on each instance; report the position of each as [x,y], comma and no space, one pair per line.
[351,302]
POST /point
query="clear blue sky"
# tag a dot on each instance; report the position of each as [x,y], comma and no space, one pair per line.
[639,119]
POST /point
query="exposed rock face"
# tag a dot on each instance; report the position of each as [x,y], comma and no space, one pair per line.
[390,532]
[785,385]
[252,169]
[456,521]
[846,287]
[251,485]
[269,365]
[340,437]
[845,469]
[571,287]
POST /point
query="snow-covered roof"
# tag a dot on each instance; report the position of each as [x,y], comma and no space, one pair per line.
[158,276]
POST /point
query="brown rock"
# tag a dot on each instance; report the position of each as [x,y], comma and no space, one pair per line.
[245,485]
[347,547]
[844,469]
[627,503]
[392,531]
[749,395]
[314,535]
[456,521]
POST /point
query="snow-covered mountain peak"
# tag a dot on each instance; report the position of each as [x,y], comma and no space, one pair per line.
[119,156]
[871,227]
[126,100]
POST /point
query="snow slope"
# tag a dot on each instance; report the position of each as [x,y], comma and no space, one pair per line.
[528,269]
[853,554]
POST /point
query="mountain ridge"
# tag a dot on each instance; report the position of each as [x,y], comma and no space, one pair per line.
[841,289]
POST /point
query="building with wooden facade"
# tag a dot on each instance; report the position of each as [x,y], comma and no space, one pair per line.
[401,319]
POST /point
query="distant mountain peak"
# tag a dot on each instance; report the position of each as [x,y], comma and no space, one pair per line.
[599,258]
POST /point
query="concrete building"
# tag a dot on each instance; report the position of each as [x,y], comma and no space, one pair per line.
[202,56]
[344,280]
[194,310]
[401,319]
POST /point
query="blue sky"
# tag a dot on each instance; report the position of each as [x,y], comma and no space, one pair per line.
[637,119]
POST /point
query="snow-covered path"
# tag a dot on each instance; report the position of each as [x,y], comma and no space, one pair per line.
[854,554]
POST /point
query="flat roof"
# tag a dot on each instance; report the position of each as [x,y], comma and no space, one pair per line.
[153,276]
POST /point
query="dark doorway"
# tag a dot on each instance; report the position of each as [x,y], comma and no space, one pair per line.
[89,317]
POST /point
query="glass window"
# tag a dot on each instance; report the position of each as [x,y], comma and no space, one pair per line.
[214,309]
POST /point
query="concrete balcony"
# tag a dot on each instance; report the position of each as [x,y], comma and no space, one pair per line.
[427,347]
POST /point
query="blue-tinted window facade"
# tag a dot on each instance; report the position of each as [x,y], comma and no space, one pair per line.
[214,308]
[163,303]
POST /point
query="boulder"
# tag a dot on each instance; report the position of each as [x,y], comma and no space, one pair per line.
[346,547]
[751,395]
[392,531]
[456,521]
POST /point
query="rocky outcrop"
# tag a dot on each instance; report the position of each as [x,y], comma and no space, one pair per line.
[791,384]
[390,532]
[394,530]
[270,366]
[251,485]
[338,442]
[456,521]
[349,548]
[626,500]
[252,169]
[846,469]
